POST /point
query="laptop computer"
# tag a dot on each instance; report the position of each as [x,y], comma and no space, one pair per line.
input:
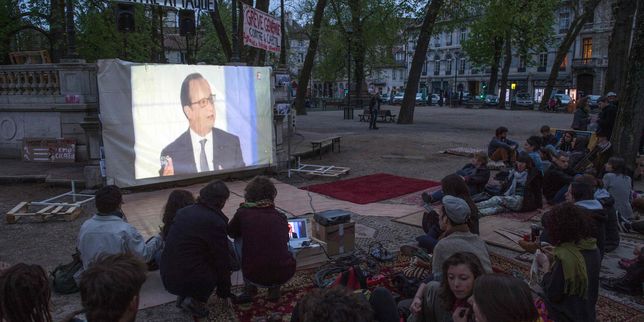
[298,233]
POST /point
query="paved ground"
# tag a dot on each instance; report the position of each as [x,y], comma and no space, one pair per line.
[406,150]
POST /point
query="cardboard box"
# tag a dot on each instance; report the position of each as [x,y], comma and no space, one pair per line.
[337,239]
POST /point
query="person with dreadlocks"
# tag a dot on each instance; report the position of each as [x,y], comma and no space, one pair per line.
[261,237]
[24,294]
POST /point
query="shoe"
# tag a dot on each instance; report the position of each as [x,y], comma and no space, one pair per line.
[530,247]
[273,294]
[194,307]
[620,286]
[247,295]
[624,226]
[427,198]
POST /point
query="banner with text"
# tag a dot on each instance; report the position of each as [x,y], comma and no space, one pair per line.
[261,30]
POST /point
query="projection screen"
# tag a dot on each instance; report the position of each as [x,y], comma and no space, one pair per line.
[169,122]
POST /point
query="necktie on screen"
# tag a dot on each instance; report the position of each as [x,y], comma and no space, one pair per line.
[203,161]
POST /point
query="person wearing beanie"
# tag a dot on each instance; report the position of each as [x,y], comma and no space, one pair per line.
[108,232]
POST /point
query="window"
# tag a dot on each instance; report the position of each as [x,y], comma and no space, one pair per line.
[564,20]
[521,67]
[393,74]
[463,35]
[437,67]
[448,39]
[400,73]
[461,66]
[543,62]
[437,41]
[564,63]
[587,50]
[448,67]
[300,58]
[425,68]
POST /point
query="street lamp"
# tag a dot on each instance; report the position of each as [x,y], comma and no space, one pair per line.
[456,57]
[348,114]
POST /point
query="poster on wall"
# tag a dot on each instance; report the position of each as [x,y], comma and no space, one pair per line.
[185,121]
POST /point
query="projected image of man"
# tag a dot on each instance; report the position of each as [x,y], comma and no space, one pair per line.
[202,147]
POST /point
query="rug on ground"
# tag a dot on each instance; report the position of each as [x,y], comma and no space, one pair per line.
[302,283]
[371,188]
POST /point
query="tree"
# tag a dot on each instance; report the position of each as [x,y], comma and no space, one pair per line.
[220,28]
[562,51]
[627,132]
[409,99]
[305,73]
[620,41]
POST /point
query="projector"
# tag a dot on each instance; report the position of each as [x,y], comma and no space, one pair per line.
[332,217]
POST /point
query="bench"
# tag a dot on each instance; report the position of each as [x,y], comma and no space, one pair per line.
[318,144]
[383,116]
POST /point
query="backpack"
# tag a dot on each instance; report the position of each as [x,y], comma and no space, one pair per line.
[63,275]
[350,277]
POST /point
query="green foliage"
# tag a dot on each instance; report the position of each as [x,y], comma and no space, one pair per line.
[209,49]
[529,24]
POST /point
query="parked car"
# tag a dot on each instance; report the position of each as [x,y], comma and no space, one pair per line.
[522,99]
[563,99]
[419,99]
[384,98]
[398,98]
[466,97]
[491,100]
[434,99]
[592,101]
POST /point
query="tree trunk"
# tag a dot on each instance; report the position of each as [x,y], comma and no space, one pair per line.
[494,69]
[57,29]
[507,61]
[305,73]
[261,54]
[406,115]
[620,40]
[562,51]
[357,48]
[222,34]
[627,133]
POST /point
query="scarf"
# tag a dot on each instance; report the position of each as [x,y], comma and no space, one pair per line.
[266,203]
[574,266]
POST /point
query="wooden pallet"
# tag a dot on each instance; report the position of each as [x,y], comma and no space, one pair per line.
[66,212]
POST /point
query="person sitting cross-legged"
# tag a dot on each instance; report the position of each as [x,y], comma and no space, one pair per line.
[107,232]
[501,148]
[524,192]
[261,237]
[556,179]
[475,174]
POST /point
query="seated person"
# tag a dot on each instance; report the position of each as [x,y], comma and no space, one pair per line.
[176,200]
[566,142]
[110,288]
[631,282]
[26,295]
[108,233]
[339,304]
[523,194]
[197,257]
[261,237]
[442,301]
[475,174]
[571,268]
[501,148]
[499,297]
[547,138]
[533,146]
[557,179]
[453,185]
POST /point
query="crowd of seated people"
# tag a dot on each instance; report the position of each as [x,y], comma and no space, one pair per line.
[589,191]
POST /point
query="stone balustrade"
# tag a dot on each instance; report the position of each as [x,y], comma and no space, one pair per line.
[37,79]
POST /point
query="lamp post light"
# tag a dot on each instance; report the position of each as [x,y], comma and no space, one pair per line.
[456,57]
[347,113]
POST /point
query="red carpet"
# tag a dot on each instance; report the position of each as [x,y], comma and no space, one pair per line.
[371,188]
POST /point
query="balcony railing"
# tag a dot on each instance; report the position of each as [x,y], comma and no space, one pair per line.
[541,69]
[589,62]
[37,79]
[520,69]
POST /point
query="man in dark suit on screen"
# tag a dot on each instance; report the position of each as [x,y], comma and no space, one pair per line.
[203,147]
